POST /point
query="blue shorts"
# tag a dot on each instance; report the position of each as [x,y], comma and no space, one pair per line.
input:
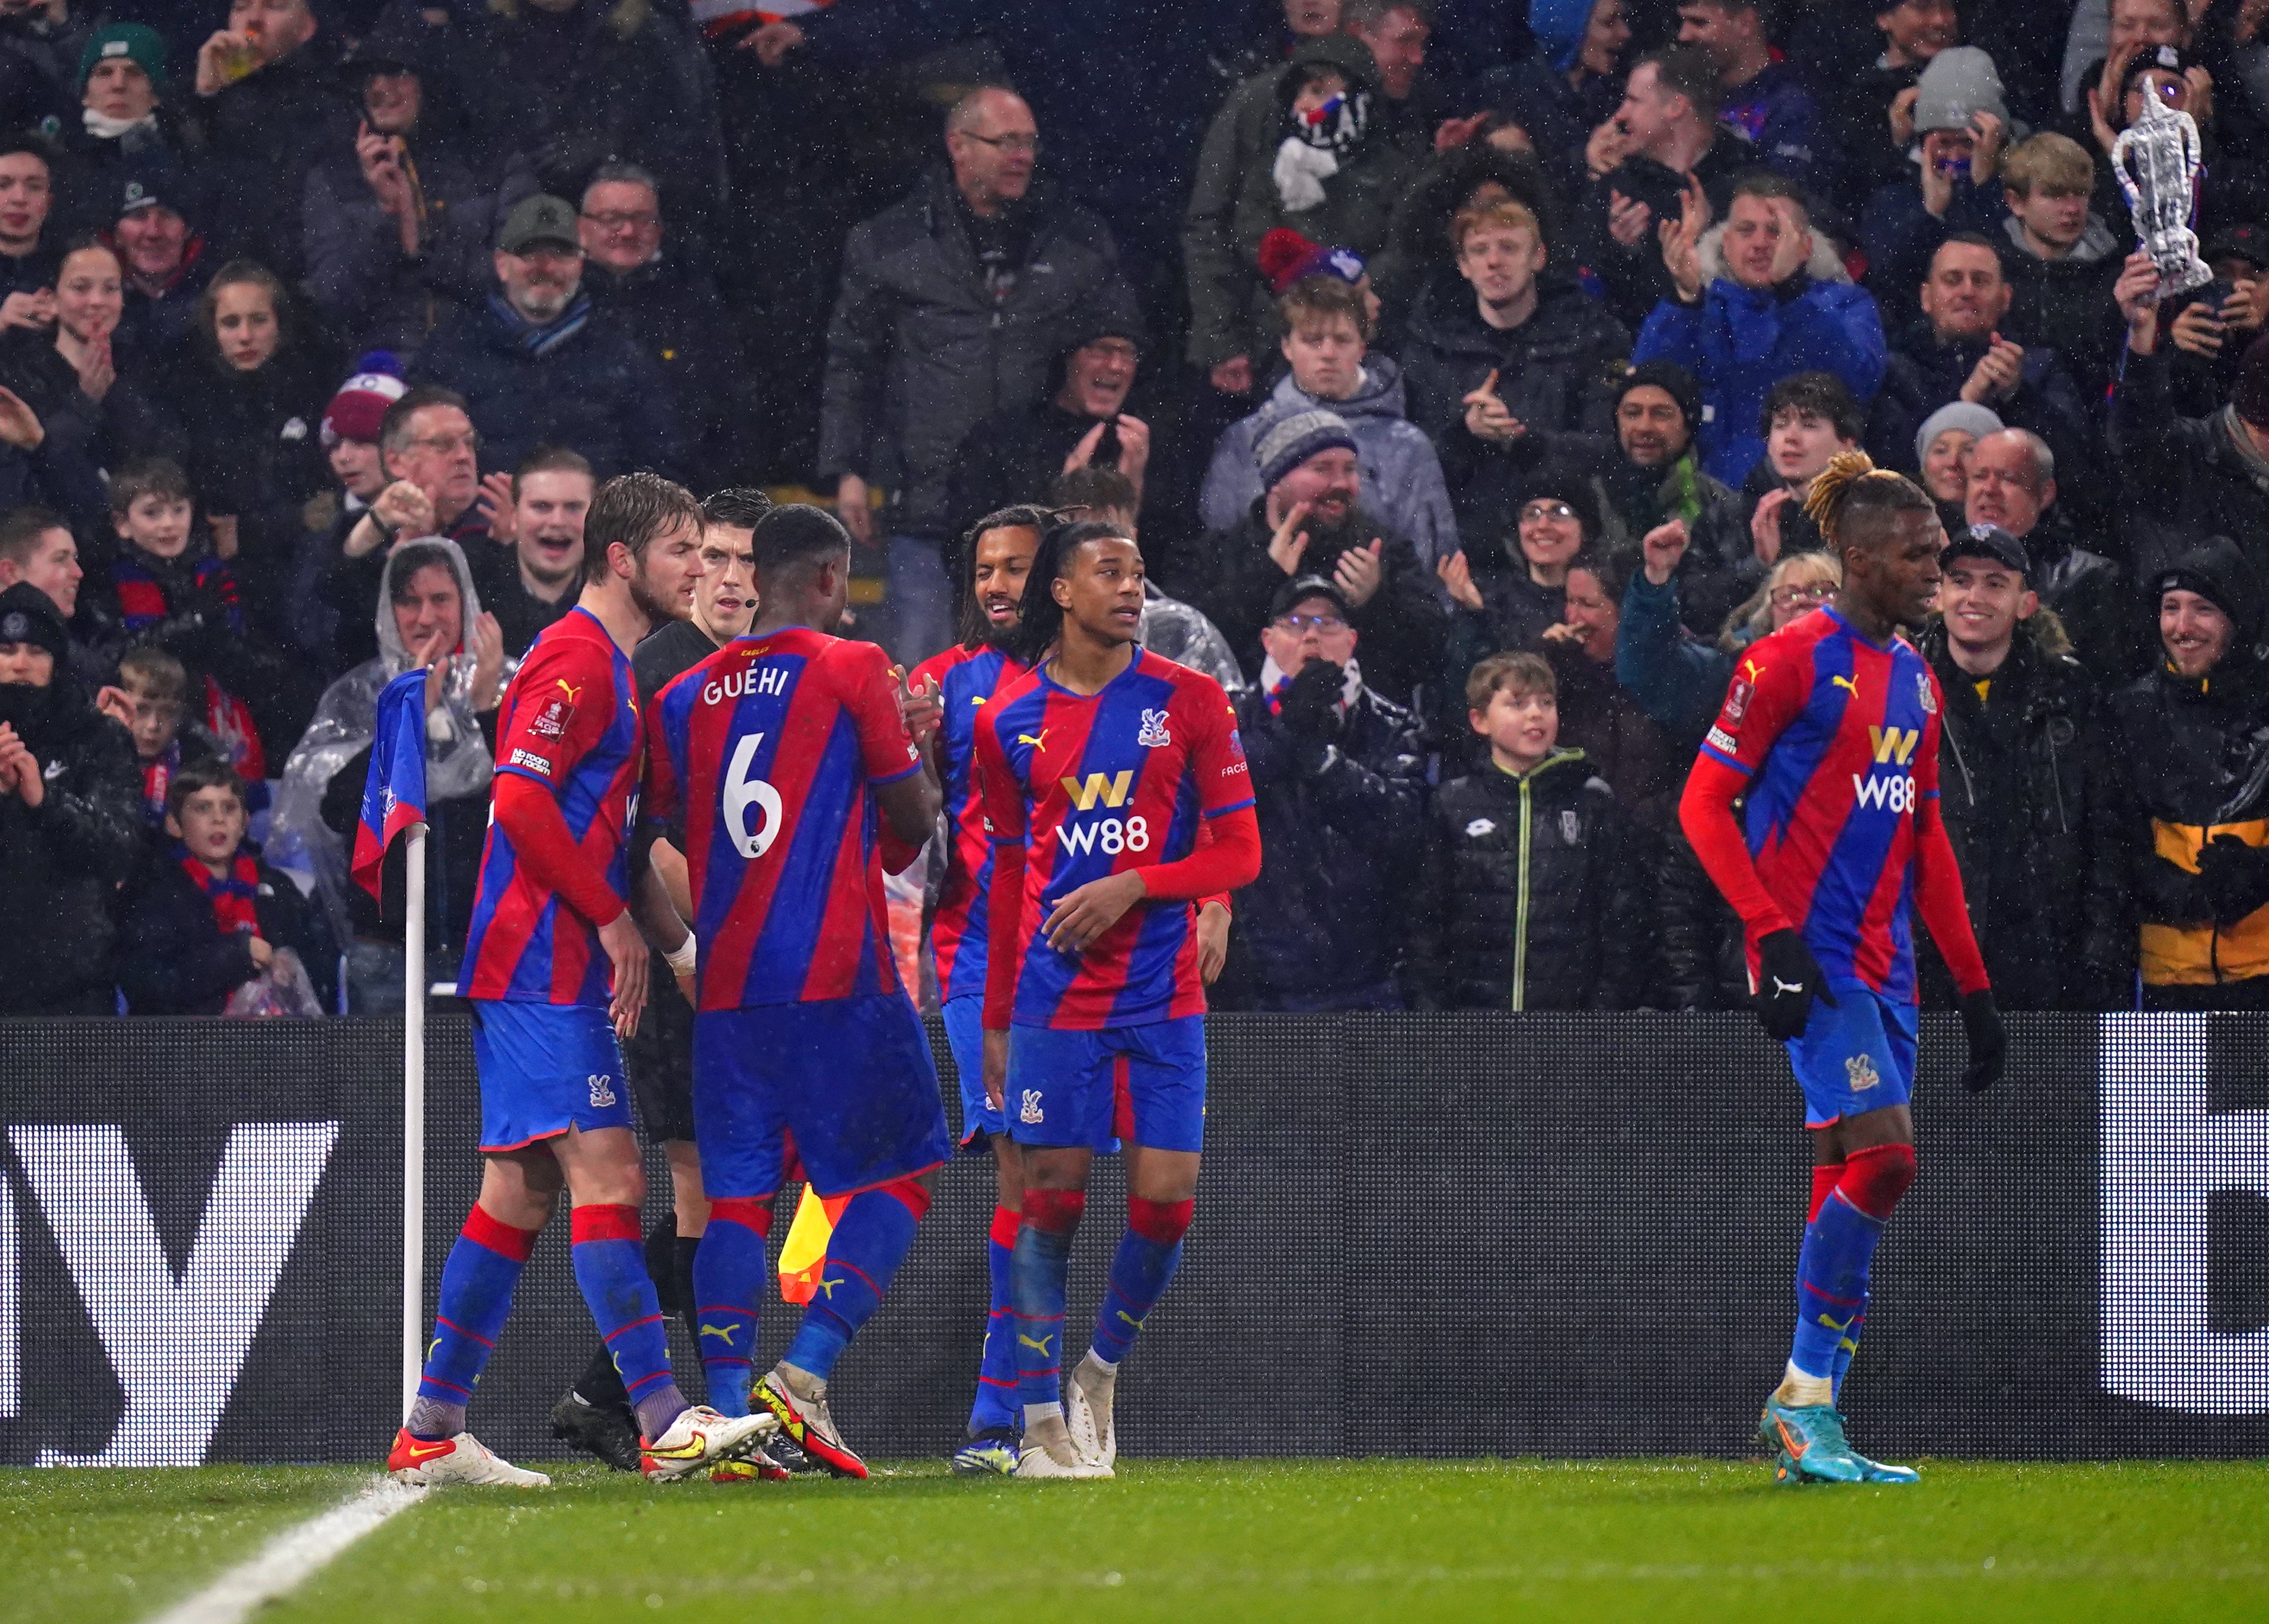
[1144,1084]
[846,1085]
[980,1119]
[545,1068]
[1859,1056]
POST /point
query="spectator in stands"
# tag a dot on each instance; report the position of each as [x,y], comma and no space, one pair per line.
[1806,420]
[1680,679]
[396,219]
[1083,423]
[1319,116]
[1653,478]
[1571,83]
[1328,330]
[1760,97]
[2059,256]
[36,545]
[271,96]
[152,700]
[1498,610]
[431,451]
[2013,484]
[121,129]
[1533,895]
[1171,628]
[2025,792]
[538,365]
[165,259]
[40,43]
[1505,371]
[1339,779]
[1875,103]
[1312,522]
[1420,261]
[1596,715]
[429,615]
[532,577]
[954,304]
[92,386]
[1664,140]
[250,388]
[1949,189]
[1942,448]
[349,434]
[71,823]
[670,305]
[1955,351]
[2188,735]
[1768,316]
[2186,478]
[204,914]
[28,255]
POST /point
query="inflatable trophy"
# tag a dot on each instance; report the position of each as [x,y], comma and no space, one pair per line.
[2157,162]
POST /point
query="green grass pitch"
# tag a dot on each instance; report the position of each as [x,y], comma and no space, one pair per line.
[1658,1541]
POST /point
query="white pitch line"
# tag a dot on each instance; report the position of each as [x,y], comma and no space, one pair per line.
[293,1557]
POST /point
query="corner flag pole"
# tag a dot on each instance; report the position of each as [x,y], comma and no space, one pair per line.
[413,1115]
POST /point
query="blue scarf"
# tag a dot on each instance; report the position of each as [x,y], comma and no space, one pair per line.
[537,341]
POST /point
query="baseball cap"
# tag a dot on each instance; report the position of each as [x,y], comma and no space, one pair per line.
[1292,594]
[536,220]
[1987,540]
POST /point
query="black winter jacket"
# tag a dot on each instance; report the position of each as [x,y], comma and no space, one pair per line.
[920,351]
[672,309]
[1555,372]
[175,959]
[1340,815]
[2187,478]
[1531,898]
[1704,963]
[63,858]
[1401,626]
[2025,791]
[264,132]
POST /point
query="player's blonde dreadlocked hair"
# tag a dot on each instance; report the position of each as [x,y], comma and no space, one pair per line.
[1852,482]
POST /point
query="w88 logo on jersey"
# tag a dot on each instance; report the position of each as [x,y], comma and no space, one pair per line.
[1110,835]
[1893,791]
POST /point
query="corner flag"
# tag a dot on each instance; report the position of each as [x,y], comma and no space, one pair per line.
[393,794]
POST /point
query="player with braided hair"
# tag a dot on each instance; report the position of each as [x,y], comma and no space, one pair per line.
[1830,730]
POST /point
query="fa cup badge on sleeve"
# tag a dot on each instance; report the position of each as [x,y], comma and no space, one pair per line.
[2157,162]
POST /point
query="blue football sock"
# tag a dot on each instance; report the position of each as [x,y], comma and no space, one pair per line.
[1848,1347]
[1143,1264]
[870,1240]
[610,1255]
[476,1285]
[995,1404]
[729,1283]
[1831,1283]
[1037,1270]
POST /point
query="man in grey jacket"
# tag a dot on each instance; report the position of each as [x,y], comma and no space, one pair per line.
[954,305]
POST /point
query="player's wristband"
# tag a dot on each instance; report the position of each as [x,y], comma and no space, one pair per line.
[682,958]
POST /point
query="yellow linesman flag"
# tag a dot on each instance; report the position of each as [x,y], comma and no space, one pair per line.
[805,1253]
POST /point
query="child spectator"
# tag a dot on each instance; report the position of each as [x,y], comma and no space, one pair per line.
[174,593]
[150,699]
[1533,896]
[205,915]
[2060,257]
[1806,420]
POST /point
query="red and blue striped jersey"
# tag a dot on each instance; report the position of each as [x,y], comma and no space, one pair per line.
[1839,738]
[1092,785]
[764,753]
[967,681]
[570,722]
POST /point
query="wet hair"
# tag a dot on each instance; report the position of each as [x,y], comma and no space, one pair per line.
[195,775]
[158,477]
[1852,486]
[550,460]
[736,507]
[406,560]
[1040,622]
[633,509]
[1515,674]
[153,672]
[976,631]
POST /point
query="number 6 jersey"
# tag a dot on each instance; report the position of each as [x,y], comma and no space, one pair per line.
[1092,786]
[763,754]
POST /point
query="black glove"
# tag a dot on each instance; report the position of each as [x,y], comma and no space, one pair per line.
[1307,708]
[1989,1045]
[2236,876]
[1788,980]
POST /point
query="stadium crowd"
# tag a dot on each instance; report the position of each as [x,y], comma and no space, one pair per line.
[1463,374]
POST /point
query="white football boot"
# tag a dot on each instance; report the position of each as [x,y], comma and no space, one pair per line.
[431,1462]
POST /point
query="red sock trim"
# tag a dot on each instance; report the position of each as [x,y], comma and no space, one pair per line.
[1825,1177]
[908,1194]
[606,1222]
[1005,1222]
[485,1229]
[1160,1222]
[1874,1179]
[1056,1211]
[745,1210]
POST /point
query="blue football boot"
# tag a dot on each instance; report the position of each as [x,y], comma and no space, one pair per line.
[1811,1436]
